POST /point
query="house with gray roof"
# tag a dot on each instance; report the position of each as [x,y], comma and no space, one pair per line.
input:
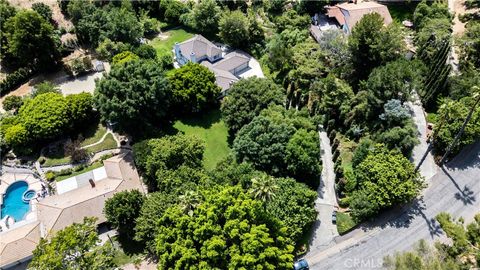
[227,67]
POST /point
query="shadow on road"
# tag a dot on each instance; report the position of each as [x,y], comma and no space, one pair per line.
[467,158]
[402,218]
[466,195]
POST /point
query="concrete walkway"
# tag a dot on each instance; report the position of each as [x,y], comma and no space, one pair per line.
[324,230]
[428,168]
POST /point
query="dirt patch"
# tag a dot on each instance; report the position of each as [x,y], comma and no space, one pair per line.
[23,90]
[56,13]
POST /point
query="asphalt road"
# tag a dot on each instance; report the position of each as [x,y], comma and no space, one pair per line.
[454,189]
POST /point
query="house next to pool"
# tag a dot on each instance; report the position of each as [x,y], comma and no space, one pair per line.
[58,211]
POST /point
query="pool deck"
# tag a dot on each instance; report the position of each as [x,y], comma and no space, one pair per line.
[33,183]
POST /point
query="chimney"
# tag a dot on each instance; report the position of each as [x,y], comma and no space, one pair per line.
[192,57]
[92,183]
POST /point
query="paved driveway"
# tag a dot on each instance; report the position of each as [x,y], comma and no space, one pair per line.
[454,189]
[324,230]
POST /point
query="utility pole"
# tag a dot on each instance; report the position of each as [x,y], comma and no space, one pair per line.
[476,95]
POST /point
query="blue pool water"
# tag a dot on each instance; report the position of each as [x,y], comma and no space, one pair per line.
[13,204]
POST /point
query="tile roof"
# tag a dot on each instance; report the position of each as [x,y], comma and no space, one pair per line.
[200,46]
[19,243]
[355,12]
[58,211]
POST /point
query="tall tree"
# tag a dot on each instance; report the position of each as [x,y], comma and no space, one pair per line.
[133,93]
[122,209]
[74,247]
[205,17]
[264,188]
[372,44]
[229,230]
[234,29]
[193,89]
[30,39]
[246,98]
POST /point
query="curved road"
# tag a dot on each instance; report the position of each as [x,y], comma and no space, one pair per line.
[454,189]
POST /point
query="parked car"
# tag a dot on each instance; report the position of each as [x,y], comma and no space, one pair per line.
[300,265]
[334,217]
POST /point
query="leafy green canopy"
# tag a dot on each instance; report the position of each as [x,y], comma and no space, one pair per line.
[162,157]
[372,44]
[122,209]
[246,98]
[228,230]
[29,40]
[281,143]
[74,247]
[452,115]
[45,117]
[134,96]
[384,179]
[193,88]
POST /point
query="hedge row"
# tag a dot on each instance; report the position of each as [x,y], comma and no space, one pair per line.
[14,80]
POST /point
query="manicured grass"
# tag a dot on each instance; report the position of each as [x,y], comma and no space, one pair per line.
[210,128]
[92,167]
[93,134]
[403,11]
[108,143]
[165,46]
[55,156]
[344,222]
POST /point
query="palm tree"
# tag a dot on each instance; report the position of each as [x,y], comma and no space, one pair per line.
[476,96]
[264,188]
[189,201]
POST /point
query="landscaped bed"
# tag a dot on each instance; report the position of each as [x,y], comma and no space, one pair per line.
[56,155]
[344,223]
[165,46]
[108,143]
[73,173]
[210,128]
[93,134]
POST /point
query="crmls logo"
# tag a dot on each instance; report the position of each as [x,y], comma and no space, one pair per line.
[363,263]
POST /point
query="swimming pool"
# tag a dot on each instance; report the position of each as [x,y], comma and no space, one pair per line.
[13,204]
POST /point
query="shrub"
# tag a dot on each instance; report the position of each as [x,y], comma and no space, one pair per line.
[50,176]
[64,172]
[41,160]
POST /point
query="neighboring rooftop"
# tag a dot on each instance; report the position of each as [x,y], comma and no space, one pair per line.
[349,14]
[200,46]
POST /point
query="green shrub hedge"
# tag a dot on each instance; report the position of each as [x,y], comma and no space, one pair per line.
[14,80]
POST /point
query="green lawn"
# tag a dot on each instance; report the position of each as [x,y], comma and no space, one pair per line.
[92,167]
[108,143]
[93,134]
[210,128]
[165,46]
[55,156]
[344,222]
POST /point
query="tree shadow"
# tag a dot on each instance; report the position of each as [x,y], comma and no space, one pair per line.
[467,158]
[203,119]
[402,217]
[465,194]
